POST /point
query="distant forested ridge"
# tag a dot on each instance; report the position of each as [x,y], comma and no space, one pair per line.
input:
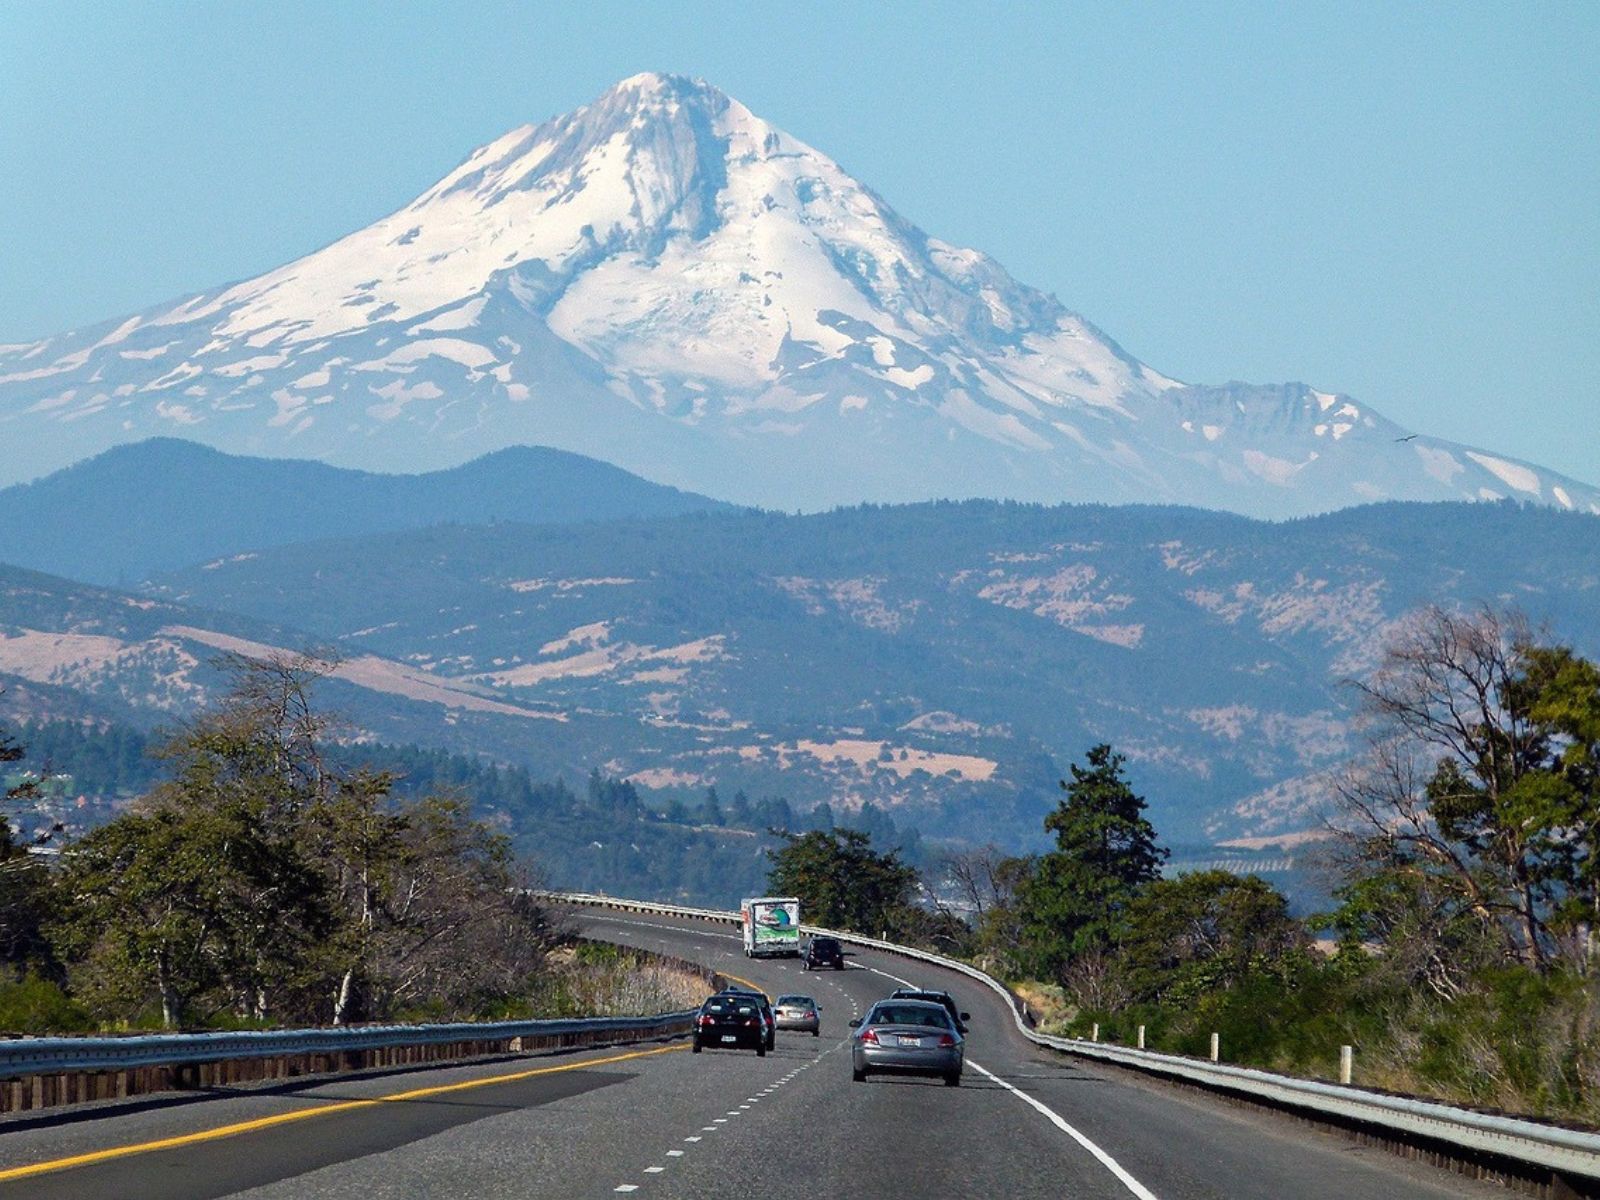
[601,835]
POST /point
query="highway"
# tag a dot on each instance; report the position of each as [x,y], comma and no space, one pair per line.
[655,1121]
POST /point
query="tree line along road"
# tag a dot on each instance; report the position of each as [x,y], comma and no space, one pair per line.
[653,1120]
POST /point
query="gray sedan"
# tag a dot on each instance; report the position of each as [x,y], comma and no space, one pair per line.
[911,1037]
[798,1012]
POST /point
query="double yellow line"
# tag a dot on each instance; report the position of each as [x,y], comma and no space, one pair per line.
[303,1114]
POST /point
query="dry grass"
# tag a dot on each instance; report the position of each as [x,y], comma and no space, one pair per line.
[594,980]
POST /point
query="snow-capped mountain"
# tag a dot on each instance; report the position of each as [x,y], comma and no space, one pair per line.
[665,281]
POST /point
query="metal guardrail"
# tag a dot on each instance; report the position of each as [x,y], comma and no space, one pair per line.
[1565,1151]
[64,1055]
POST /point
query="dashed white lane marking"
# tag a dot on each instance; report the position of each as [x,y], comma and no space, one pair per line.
[676,1153]
[654,1170]
[731,937]
[626,1187]
[1110,1164]
[692,1139]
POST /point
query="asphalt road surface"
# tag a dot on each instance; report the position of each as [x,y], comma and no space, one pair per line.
[656,1121]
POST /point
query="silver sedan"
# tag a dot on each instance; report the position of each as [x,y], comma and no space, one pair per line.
[798,1012]
[907,1036]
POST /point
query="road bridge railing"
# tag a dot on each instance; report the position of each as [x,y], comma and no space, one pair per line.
[1542,1159]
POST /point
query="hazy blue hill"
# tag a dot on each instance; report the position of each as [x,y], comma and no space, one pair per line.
[165,503]
[940,661]
[745,649]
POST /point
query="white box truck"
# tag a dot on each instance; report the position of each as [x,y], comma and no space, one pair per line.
[771,926]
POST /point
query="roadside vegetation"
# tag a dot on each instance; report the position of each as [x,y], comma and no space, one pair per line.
[260,883]
[1460,960]
[596,979]
[265,880]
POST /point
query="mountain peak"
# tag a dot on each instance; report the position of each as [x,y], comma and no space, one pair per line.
[663,280]
[660,87]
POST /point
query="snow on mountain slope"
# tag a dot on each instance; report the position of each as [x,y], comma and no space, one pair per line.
[665,281]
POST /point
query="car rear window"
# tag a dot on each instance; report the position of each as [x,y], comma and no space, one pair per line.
[910,1014]
[795,1001]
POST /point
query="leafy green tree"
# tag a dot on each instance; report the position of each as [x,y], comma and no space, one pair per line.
[265,881]
[153,911]
[25,892]
[842,882]
[1105,850]
[1201,932]
[453,929]
[359,843]
[1564,699]
[1480,784]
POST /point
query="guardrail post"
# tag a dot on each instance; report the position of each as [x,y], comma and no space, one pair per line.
[1216,1047]
[1141,1037]
[1347,1056]
[1094,1035]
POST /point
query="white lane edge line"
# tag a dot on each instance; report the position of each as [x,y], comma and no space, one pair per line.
[1110,1164]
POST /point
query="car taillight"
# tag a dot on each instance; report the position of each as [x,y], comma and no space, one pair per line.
[946,1041]
[751,1021]
[869,1036]
[707,1019]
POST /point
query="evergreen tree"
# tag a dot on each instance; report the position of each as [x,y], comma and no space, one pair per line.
[1105,850]
[842,882]
[711,811]
[24,883]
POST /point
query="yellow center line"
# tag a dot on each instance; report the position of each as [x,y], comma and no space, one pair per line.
[740,979]
[322,1110]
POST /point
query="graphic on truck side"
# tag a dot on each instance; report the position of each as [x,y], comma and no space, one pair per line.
[771,925]
[775,924]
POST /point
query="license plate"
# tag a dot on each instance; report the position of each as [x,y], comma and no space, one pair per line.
[728,1037]
[909,1041]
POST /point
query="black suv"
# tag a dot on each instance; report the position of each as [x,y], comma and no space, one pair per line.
[769,1019]
[731,1021]
[823,952]
[944,999]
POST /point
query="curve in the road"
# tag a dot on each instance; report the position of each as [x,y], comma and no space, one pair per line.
[790,1126]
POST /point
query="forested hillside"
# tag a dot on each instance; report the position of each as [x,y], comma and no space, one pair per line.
[598,835]
[936,661]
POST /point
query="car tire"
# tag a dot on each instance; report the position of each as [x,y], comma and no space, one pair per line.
[953,1080]
[761,1050]
[858,1076]
[816,1033]
[696,1047]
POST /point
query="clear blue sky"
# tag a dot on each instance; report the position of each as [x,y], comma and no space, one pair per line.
[1398,201]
